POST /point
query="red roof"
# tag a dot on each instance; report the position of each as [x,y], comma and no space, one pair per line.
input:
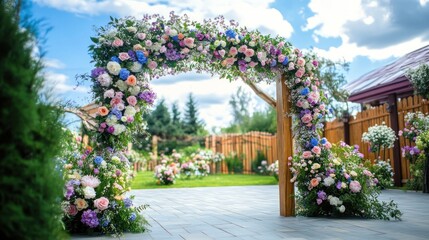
[379,83]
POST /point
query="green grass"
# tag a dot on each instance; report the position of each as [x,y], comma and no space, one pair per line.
[145,180]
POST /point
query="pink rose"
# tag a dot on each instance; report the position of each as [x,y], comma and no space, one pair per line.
[148,43]
[152,65]
[291,66]
[249,52]
[72,210]
[367,173]
[117,42]
[189,42]
[124,56]
[101,203]
[233,51]
[315,63]
[242,49]
[185,50]
[163,49]
[253,64]
[141,36]
[319,201]
[119,94]
[115,101]
[230,61]
[327,145]
[222,52]
[300,62]
[322,107]
[307,154]
[315,96]
[355,186]
[316,150]
[306,118]
[132,100]
[281,58]
[300,72]
[299,103]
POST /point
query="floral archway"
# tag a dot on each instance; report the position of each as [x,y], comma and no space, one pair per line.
[128,53]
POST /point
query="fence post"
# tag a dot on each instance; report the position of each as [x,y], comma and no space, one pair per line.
[394,124]
[284,148]
[346,127]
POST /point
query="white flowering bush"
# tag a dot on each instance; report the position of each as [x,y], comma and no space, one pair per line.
[419,77]
[383,173]
[273,169]
[378,137]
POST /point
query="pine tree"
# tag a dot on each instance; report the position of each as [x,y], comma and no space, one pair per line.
[176,123]
[30,184]
[159,121]
[191,122]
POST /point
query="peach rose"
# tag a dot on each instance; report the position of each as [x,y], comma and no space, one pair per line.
[137,47]
[101,203]
[189,42]
[253,64]
[230,61]
[80,204]
[307,154]
[180,36]
[117,42]
[132,100]
[314,182]
[300,62]
[131,80]
[103,111]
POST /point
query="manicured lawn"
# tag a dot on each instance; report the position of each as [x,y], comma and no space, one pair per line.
[145,180]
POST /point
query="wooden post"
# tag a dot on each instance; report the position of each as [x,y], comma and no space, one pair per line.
[284,149]
[394,124]
[346,127]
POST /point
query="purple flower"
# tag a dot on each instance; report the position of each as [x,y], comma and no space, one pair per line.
[128,202]
[338,185]
[117,113]
[132,55]
[319,201]
[69,192]
[273,63]
[172,54]
[322,195]
[199,36]
[97,72]
[147,96]
[110,129]
[89,217]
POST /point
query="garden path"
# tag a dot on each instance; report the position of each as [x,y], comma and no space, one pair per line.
[251,212]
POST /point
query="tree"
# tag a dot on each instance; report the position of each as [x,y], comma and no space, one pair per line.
[176,123]
[159,121]
[191,123]
[31,133]
[332,75]
[240,105]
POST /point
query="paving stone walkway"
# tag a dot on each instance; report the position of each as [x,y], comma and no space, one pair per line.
[252,212]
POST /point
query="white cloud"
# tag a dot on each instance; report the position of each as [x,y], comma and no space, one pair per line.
[57,83]
[374,29]
[53,63]
[254,14]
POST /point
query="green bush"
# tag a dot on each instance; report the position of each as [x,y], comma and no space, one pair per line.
[234,163]
[260,156]
[30,184]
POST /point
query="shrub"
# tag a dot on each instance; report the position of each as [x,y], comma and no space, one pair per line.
[257,162]
[383,173]
[419,77]
[234,163]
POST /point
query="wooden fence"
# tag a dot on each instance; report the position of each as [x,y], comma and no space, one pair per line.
[247,144]
[356,126]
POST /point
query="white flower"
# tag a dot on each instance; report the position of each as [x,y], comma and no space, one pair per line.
[134,90]
[334,201]
[89,192]
[328,181]
[90,181]
[336,161]
[252,43]
[103,164]
[129,111]
[342,208]
[353,174]
[136,67]
[119,128]
[173,32]
[315,166]
[132,29]
[113,67]
[121,85]
[104,79]
[116,159]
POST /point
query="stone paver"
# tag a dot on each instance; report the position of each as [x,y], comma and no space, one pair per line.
[252,212]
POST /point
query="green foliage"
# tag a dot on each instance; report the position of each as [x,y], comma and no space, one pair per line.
[30,184]
[419,77]
[417,176]
[234,163]
[383,171]
[260,156]
[240,105]
[191,122]
[159,122]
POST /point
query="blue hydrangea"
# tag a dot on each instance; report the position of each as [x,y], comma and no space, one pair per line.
[141,58]
[273,63]
[115,59]
[305,91]
[132,217]
[323,141]
[124,73]
[128,202]
[98,160]
[230,33]
[175,38]
[104,222]
[285,61]
[314,142]
[117,113]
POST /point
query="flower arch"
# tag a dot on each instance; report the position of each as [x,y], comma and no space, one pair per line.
[128,53]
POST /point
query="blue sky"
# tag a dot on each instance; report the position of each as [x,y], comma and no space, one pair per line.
[366,33]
